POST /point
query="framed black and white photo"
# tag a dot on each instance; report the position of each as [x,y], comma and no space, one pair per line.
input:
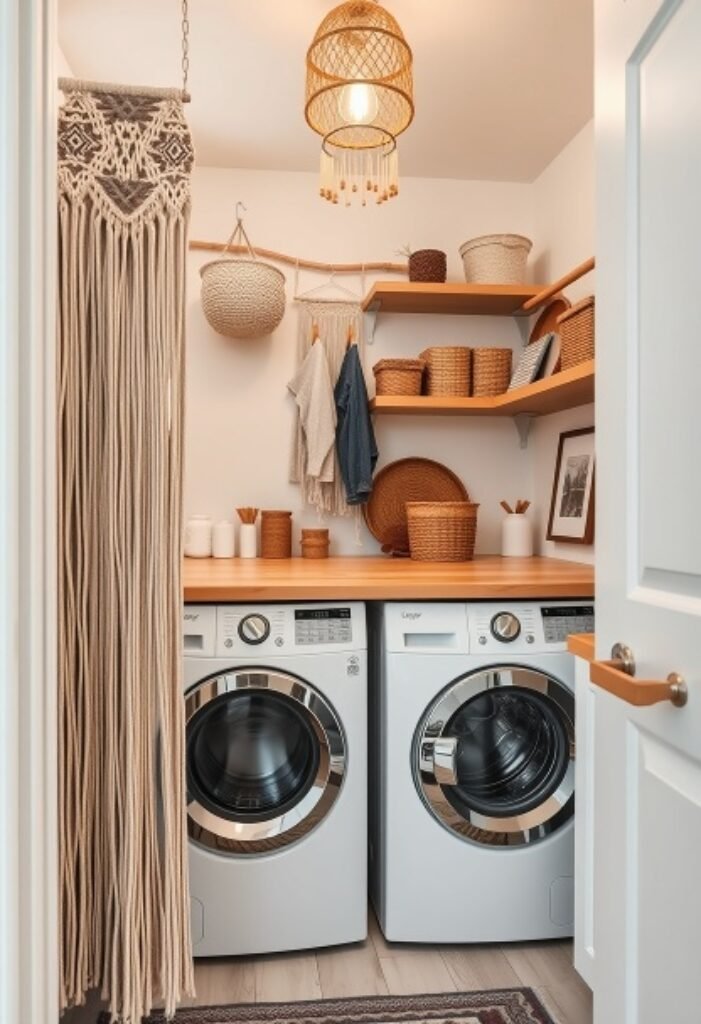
[572,506]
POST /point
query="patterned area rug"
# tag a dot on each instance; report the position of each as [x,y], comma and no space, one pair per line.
[503,1006]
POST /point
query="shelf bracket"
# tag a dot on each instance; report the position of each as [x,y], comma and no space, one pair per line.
[523,422]
[370,315]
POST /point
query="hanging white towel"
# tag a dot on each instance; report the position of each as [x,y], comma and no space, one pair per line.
[313,393]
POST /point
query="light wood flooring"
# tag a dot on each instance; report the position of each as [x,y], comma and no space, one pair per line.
[377,967]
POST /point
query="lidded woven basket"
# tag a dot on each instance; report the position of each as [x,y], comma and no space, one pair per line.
[442,531]
[496,259]
[448,370]
[398,376]
[576,327]
[242,297]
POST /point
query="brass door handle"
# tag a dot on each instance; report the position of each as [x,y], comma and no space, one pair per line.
[618,677]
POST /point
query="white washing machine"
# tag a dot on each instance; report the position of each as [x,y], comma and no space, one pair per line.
[276,713]
[472,804]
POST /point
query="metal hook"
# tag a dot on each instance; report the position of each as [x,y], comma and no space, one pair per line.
[238,214]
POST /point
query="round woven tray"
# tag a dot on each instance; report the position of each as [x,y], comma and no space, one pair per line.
[547,321]
[406,480]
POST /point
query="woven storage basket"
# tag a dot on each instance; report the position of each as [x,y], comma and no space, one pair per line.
[242,298]
[576,328]
[496,259]
[315,543]
[428,265]
[448,370]
[276,534]
[491,371]
[398,376]
[442,531]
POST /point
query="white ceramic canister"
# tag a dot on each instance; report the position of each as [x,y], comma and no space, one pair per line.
[223,540]
[198,537]
[517,536]
[248,540]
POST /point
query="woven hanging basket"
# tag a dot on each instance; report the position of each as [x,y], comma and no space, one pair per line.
[242,297]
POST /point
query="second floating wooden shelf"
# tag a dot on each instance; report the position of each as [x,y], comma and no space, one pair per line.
[450,298]
[563,390]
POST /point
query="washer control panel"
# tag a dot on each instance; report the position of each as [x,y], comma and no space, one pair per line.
[259,631]
[315,626]
[524,628]
[559,622]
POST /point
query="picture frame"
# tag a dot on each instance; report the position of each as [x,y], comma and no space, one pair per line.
[571,517]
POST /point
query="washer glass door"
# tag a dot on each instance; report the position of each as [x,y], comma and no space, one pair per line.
[494,756]
[265,760]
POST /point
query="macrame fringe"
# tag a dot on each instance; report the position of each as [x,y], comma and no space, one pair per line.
[333,321]
[125,925]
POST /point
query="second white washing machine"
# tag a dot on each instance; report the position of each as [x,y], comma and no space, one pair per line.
[472,802]
[276,719]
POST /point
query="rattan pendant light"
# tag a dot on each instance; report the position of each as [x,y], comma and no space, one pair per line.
[359,98]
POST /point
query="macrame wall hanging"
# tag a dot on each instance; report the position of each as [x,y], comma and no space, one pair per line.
[335,321]
[125,157]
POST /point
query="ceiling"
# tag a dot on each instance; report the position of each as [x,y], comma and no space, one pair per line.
[500,85]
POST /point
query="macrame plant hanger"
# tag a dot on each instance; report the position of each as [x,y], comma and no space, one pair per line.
[123,215]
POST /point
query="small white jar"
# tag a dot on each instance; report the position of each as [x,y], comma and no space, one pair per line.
[516,536]
[198,537]
[223,540]
[248,540]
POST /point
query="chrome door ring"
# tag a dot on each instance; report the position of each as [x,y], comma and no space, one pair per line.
[225,835]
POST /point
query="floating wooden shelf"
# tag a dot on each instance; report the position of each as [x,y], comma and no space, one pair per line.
[455,299]
[563,390]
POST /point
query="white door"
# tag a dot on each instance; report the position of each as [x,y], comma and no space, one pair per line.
[647,763]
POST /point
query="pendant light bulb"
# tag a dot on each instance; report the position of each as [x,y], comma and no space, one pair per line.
[358,103]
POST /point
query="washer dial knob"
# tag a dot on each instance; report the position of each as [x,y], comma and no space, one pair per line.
[505,627]
[254,629]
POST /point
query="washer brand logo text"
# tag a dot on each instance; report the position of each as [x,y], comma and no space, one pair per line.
[191,617]
[411,615]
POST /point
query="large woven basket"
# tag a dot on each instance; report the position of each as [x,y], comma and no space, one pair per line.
[398,376]
[442,531]
[242,298]
[428,265]
[491,371]
[576,328]
[448,370]
[496,259]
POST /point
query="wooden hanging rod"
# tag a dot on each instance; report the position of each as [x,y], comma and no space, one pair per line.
[554,289]
[78,85]
[327,268]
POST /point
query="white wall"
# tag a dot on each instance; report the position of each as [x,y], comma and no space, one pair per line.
[564,222]
[239,415]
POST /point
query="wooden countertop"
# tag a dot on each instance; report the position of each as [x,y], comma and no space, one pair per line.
[383,578]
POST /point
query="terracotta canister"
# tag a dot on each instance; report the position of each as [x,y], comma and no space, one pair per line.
[315,543]
[276,534]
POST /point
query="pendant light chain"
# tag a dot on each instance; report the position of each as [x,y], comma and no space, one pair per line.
[185,24]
